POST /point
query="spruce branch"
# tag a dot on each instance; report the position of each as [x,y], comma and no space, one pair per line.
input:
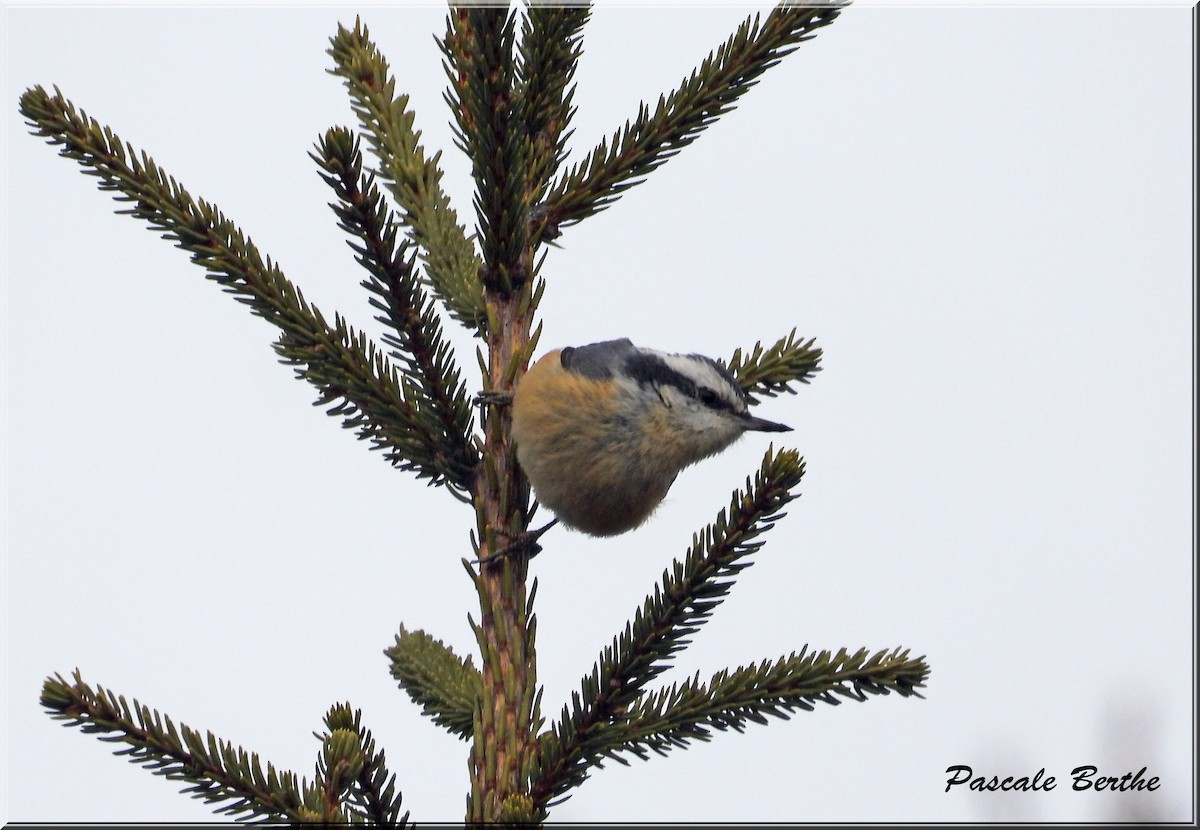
[216,770]
[434,390]
[550,46]
[479,46]
[708,93]
[415,181]
[513,106]
[349,373]
[688,711]
[371,797]
[339,765]
[771,371]
[508,710]
[662,626]
[445,686]
[480,63]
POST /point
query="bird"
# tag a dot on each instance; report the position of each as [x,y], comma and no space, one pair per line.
[603,430]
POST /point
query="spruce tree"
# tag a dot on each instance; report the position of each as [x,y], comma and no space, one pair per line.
[511,95]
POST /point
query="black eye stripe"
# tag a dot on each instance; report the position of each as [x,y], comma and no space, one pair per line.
[648,368]
[651,369]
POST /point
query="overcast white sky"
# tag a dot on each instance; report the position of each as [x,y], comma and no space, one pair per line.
[984,216]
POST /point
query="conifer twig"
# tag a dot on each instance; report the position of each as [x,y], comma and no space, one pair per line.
[350,374]
[371,797]
[771,371]
[216,770]
[480,63]
[444,685]
[678,607]
[687,711]
[550,46]
[436,392]
[709,92]
[479,50]
[451,263]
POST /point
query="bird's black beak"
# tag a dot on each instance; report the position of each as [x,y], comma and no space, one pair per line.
[752,424]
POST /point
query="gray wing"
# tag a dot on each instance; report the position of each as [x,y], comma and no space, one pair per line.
[597,360]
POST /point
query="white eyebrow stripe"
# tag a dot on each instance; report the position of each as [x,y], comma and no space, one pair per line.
[702,373]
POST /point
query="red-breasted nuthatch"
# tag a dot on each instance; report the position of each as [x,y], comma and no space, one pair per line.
[603,430]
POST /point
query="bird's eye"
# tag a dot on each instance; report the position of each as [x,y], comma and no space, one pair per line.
[707,396]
